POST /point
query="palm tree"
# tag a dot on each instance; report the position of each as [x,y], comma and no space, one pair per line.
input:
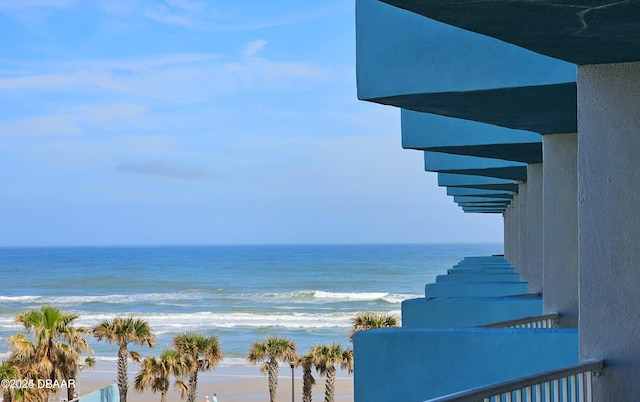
[364,321]
[307,361]
[123,331]
[56,348]
[72,371]
[204,352]
[8,371]
[272,349]
[327,358]
[155,372]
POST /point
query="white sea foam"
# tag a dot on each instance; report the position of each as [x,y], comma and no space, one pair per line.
[19,298]
[316,296]
[171,322]
[184,297]
[349,296]
[110,299]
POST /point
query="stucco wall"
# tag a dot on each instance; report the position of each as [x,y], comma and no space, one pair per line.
[560,206]
[609,225]
[534,227]
[467,311]
[413,365]
[474,289]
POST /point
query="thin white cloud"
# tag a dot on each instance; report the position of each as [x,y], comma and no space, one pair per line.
[12,5]
[78,120]
[53,125]
[163,169]
[114,115]
[175,77]
[118,7]
[238,16]
[186,13]
[253,47]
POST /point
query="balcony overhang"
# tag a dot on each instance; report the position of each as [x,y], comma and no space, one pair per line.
[500,205]
[587,32]
[431,132]
[478,210]
[477,182]
[408,61]
[479,192]
[544,109]
[470,199]
[473,165]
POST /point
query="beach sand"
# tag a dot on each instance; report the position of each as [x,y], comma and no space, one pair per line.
[232,383]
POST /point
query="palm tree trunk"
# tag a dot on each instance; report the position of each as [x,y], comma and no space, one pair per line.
[306,384]
[193,386]
[163,396]
[273,379]
[123,381]
[7,395]
[70,393]
[71,389]
[329,389]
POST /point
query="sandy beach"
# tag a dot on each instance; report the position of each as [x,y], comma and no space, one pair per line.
[230,383]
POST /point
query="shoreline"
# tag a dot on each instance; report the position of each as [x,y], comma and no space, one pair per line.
[233,382]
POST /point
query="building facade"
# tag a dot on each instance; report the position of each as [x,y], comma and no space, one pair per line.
[530,110]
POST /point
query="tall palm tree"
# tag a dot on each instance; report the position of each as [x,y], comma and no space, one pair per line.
[155,372]
[327,358]
[205,352]
[72,372]
[272,349]
[307,361]
[364,321]
[123,331]
[55,350]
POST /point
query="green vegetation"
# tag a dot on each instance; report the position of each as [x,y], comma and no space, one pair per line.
[364,321]
[327,359]
[155,373]
[203,352]
[272,349]
[307,362]
[122,331]
[51,348]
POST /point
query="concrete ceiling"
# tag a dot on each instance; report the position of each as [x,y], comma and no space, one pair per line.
[544,109]
[523,152]
[580,32]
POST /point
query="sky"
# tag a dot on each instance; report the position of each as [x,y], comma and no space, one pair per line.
[151,122]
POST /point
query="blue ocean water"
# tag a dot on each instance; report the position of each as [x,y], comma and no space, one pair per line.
[241,293]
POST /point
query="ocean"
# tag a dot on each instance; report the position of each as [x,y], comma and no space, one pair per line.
[241,293]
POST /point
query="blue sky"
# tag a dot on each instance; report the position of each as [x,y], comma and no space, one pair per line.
[203,122]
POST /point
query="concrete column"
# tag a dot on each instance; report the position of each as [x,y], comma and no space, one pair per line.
[609,225]
[560,229]
[515,233]
[506,234]
[534,227]
[522,231]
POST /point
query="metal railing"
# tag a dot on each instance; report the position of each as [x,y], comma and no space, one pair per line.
[543,321]
[568,384]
